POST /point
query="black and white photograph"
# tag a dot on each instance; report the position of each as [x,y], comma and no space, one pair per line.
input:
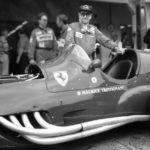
[74,74]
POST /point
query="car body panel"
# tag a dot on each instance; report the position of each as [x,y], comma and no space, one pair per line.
[71,93]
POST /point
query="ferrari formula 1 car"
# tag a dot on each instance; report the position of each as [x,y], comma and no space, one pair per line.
[72,97]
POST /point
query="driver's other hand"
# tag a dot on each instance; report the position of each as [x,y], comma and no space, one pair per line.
[32,61]
[97,63]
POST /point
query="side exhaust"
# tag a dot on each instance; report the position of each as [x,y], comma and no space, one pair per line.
[49,134]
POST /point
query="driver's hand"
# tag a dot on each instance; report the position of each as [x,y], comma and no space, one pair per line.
[32,61]
[119,50]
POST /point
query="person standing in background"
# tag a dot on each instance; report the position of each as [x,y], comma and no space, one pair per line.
[146,38]
[62,23]
[87,35]
[115,39]
[43,45]
[4,57]
[22,50]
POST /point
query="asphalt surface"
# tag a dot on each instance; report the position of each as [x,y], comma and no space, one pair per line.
[134,136]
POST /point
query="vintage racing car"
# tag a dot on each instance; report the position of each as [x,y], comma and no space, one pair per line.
[71,97]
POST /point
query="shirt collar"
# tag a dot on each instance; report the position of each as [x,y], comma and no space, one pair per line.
[44,29]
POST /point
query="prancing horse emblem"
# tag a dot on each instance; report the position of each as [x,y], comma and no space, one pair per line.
[61,77]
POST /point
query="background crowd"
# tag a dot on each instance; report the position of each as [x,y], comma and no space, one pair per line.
[23,46]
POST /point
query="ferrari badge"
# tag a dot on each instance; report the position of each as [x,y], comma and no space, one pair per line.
[61,77]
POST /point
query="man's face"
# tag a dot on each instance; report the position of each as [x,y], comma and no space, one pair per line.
[43,21]
[85,17]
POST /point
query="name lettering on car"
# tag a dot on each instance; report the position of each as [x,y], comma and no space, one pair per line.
[100,90]
[61,77]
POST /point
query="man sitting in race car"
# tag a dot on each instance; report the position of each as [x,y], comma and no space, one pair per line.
[86,35]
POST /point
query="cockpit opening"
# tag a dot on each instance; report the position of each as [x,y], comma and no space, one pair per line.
[35,71]
[122,66]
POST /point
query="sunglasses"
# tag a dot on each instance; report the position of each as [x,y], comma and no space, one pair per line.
[45,20]
[85,14]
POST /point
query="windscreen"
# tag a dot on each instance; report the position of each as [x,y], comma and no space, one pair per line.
[80,57]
